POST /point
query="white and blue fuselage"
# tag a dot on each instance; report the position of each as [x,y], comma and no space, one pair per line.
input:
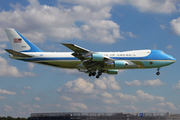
[140,58]
[85,60]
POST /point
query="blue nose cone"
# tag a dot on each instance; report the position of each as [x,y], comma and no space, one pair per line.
[170,60]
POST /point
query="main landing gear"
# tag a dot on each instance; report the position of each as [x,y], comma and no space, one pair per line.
[93,73]
[158,73]
[99,73]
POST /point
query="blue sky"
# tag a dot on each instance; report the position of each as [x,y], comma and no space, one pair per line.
[97,25]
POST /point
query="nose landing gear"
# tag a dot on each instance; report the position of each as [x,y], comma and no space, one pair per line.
[158,73]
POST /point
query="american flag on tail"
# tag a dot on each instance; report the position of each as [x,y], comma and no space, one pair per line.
[17,40]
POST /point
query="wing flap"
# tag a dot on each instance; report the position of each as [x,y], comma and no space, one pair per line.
[17,54]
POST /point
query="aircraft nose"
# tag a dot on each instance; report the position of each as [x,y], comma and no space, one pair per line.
[172,59]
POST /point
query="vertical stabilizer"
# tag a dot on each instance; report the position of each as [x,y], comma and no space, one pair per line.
[20,43]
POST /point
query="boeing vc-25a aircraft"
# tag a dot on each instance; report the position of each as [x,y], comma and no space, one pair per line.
[93,63]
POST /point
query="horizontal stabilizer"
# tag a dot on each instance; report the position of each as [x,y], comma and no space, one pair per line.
[17,54]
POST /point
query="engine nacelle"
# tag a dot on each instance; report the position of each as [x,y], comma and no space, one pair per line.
[113,71]
[95,57]
[118,64]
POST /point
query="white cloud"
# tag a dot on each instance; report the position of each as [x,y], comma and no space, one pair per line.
[100,84]
[145,96]
[105,31]
[107,83]
[69,71]
[7,70]
[133,83]
[175,26]
[59,89]
[131,107]
[110,101]
[80,86]
[107,95]
[129,34]
[43,21]
[168,104]
[155,82]
[36,106]
[37,99]
[28,88]
[30,66]
[27,74]
[2,98]
[127,97]
[159,110]
[177,86]
[162,26]
[66,98]
[7,108]
[155,6]
[79,105]
[5,92]
[2,46]
[24,105]
[169,46]
[154,47]
[22,92]
[57,105]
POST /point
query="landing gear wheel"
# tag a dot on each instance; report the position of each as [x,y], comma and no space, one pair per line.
[97,76]
[158,73]
[90,74]
[94,73]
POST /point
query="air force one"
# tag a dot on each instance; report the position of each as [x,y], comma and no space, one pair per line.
[93,63]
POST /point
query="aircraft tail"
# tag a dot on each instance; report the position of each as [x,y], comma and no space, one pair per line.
[20,43]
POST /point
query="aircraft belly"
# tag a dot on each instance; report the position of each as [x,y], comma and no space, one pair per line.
[62,64]
[152,63]
[156,63]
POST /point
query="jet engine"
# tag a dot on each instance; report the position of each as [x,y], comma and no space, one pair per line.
[113,71]
[118,64]
[95,57]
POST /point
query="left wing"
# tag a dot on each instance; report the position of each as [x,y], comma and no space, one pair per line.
[79,52]
[83,54]
[90,58]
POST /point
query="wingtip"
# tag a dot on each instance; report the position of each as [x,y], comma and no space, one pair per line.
[67,44]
